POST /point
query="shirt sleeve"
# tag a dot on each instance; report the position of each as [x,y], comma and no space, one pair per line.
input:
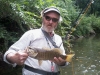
[21,44]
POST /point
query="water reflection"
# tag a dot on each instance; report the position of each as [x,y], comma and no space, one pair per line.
[87,58]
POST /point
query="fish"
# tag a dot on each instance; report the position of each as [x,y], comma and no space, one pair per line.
[48,54]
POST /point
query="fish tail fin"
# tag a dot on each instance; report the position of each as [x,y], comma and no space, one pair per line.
[66,57]
[69,57]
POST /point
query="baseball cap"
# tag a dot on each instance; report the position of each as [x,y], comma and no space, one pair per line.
[48,9]
[51,9]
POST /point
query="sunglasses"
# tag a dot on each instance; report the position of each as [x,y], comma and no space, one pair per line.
[48,18]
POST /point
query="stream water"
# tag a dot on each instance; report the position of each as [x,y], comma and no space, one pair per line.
[87,57]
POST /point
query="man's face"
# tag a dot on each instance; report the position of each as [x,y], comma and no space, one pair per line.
[50,21]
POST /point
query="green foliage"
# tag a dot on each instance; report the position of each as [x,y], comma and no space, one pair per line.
[89,25]
[3,34]
[95,23]
[30,11]
[95,7]
[21,15]
[3,31]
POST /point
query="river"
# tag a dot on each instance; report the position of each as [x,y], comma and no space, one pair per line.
[87,57]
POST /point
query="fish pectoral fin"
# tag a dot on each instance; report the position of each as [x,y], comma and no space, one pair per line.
[40,62]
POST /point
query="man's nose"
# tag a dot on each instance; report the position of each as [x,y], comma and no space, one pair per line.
[51,21]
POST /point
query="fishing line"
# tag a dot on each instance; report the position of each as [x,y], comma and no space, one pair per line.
[76,23]
[74,26]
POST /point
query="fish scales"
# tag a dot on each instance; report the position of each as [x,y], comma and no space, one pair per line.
[48,54]
[45,54]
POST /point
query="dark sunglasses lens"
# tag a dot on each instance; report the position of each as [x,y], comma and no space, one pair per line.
[54,19]
[49,18]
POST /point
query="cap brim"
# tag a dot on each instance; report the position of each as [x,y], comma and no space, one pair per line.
[52,9]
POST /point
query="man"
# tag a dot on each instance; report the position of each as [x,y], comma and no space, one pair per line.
[16,54]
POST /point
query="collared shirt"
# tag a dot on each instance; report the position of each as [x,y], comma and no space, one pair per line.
[36,38]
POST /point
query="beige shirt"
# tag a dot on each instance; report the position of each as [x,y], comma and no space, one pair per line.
[36,38]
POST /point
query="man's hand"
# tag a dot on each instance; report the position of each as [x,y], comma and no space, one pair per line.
[18,57]
[59,61]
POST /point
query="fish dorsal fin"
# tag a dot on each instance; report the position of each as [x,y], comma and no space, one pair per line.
[45,48]
[58,50]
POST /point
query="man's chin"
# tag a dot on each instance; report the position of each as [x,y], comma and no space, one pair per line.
[48,29]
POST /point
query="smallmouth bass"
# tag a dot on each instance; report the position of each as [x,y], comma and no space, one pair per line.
[48,54]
